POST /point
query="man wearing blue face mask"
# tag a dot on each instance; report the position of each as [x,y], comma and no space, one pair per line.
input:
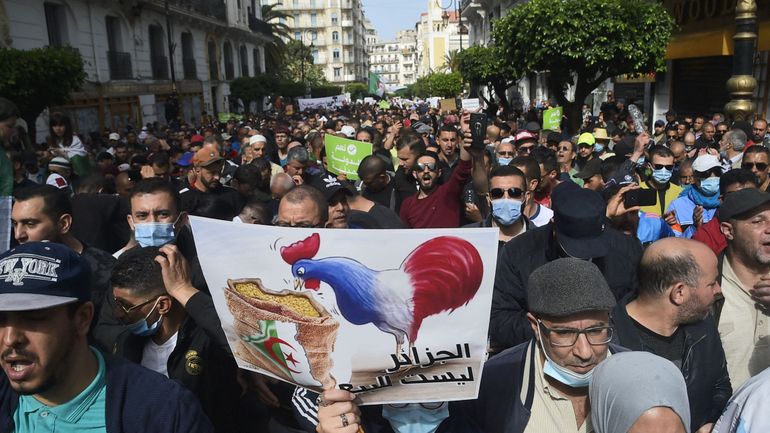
[660,168]
[507,198]
[542,385]
[698,202]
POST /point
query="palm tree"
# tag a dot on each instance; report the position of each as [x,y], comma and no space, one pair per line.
[275,51]
[451,61]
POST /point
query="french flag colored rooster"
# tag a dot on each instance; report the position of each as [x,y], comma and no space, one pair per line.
[441,274]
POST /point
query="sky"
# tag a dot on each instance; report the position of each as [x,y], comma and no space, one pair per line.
[390,16]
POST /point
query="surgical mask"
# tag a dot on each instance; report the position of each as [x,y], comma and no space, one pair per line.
[710,186]
[154,234]
[506,211]
[661,176]
[598,148]
[504,161]
[141,328]
[415,418]
[563,374]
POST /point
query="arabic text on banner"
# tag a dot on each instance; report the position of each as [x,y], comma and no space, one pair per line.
[327,102]
[394,316]
[343,156]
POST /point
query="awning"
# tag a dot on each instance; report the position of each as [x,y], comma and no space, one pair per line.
[713,43]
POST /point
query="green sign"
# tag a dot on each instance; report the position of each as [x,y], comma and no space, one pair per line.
[384,105]
[552,118]
[224,117]
[343,156]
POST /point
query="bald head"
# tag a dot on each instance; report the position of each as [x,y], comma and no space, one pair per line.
[371,166]
[280,184]
[671,261]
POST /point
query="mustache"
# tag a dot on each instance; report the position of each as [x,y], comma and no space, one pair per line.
[18,352]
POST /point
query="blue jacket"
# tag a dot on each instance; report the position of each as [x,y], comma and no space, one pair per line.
[137,401]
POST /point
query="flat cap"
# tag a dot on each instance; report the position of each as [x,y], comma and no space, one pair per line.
[568,286]
[741,202]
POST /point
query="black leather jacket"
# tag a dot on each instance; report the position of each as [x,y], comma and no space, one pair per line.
[703,363]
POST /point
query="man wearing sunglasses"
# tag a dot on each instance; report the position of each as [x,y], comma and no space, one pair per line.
[660,169]
[757,160]
[670,317]
[171,330]
[542,384]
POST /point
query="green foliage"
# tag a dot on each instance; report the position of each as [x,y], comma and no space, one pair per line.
[289,88]
[252,88]
[446,85]
[486,66]
[325,90]
[451,61]
[583,42]
[357,90]
[298,61]
[40,78]
[275,51]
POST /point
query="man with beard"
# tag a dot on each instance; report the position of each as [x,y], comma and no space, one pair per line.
[449,155]
[208,166]
[408,145]
[707,138]
[670,317]
[53,380]
[508,197]
[759,134]
[744,317]
[585,145]
[282,139]
[757,160]
[437,205]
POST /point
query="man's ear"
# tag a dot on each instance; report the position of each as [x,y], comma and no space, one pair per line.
[533,324]
[65,223]
[83,317]
[727,230]
[130,220]
[678,294]
[164,304]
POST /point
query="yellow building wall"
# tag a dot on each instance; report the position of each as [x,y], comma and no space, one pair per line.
[439,51]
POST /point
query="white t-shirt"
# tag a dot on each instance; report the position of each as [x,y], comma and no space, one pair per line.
[155,356]
[542,217]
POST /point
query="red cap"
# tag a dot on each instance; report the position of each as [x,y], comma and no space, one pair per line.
[197,138]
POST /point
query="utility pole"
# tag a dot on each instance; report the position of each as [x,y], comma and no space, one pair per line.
[171,46]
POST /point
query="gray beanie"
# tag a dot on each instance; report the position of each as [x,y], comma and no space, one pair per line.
[568,286]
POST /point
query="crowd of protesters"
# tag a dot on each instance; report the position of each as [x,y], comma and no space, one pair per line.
[631,293]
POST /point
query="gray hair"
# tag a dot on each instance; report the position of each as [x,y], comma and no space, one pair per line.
[299,154]
[661,271]
[737,138]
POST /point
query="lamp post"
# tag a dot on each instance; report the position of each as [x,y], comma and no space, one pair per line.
[742,83]
[302,51]
[453,4]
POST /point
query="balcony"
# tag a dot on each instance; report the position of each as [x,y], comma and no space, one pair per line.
[120,65]
[347,23]
[190,71]
[258,26]
[159,65]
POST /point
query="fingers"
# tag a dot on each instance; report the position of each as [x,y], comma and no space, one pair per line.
[337,395]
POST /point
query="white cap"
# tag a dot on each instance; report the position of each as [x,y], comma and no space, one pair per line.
[115,136]
[123,167]
[57,180]
[257,138]
[348,131]
[705,163]
[508,140]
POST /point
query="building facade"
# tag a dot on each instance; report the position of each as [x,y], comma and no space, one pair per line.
[336,30]
[439,32]
[395,61]
[125,48]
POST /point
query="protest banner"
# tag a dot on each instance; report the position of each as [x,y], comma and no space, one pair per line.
[384,105]
[448,104]
[552,119]
[326,102]
[471,104]
[343,155]
[224,117]
[394,316]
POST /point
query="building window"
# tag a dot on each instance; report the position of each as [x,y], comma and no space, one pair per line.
[118,61]
[337,72]
[56,22]
[295,17]
[229,66]
[334,19]
[257,67]
[312,3]
[158,60]
[314,35]
[295,3]
[188,58]
[314,53]
[244,58]
[336,54]
[297,35]
[313,19]
[335,36]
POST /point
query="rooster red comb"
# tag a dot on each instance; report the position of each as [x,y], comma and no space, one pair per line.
[304,249]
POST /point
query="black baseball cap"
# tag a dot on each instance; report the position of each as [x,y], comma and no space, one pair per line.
[39,275]
[329,186]
[742,202]
[580,222]
[590,169]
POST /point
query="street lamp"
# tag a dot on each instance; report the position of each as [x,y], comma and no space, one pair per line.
[453,4]
[302,51]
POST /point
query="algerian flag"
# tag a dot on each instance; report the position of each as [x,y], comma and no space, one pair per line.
[376,85]
[277,342]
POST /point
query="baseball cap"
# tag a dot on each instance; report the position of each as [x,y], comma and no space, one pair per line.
[257,139]
[525,135]
[197,138]
[39,275]
[592,168]
[205,157]
[329,186]
[114,136]
[742,202]
[421,128]
[579,218]
[348,131]
[586,138]
[660,123]
[532,126]
[705,162]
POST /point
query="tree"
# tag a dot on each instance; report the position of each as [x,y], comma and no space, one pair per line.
[446,85]
[581,43]
[275,51]
[451,61]
[39,78]
[357,90]
[486,66]
[324,90]
[299,57]
[250,89]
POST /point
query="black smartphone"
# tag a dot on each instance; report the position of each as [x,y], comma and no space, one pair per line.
[640,197]
[478,130]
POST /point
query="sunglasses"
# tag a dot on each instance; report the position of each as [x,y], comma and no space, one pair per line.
[668,167]
[498,193]
[761,166]
[525,149]
[127,308]
[431,166]
[707,174]
[505,153]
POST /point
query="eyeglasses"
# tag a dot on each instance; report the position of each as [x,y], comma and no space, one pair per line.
[300,225]
[498,193]
[127,309]
[761,166]
[526,149]
[505,153]
[567,337]
[431,166]
[668,167]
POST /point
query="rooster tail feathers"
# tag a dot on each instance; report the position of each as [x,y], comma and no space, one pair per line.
[445,273]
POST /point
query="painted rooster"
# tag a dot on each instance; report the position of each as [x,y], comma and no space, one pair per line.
[442,274]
